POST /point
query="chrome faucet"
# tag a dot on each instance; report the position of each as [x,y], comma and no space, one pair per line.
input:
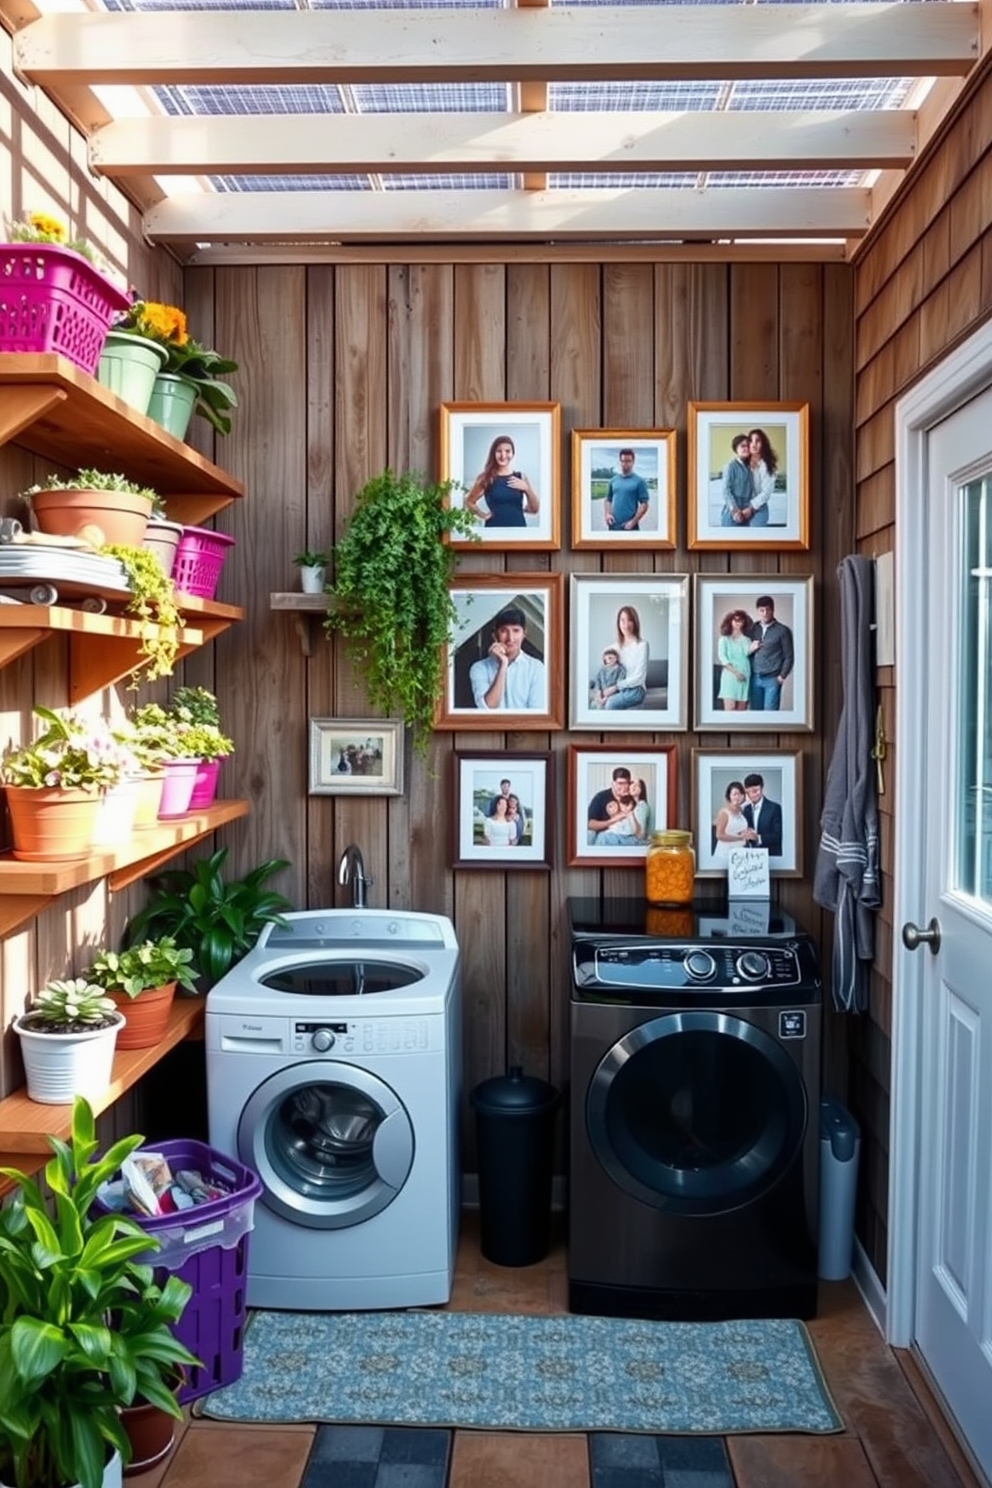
[351,869]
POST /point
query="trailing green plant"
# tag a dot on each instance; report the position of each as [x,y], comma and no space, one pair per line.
[312,558]
[219,920]
[85,1329]
[69,1006]
[392,606]
[153,963]
[68,754]
[88,479]
[153,603]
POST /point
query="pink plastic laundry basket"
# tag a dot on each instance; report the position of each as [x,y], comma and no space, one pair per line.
[52,299]
[199,560]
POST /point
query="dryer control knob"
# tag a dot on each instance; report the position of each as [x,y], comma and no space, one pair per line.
[323,1040]
[754,966]
[699,964]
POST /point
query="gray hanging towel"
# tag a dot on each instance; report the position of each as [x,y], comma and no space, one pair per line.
[847,878]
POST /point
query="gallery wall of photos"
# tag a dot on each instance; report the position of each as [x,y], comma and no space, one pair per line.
[627,652]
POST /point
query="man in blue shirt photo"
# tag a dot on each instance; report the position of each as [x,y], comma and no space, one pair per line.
[508,677]
[626,497]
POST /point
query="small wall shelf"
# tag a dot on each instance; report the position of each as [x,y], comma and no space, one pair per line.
[26,888]
[58,411]
[305,609]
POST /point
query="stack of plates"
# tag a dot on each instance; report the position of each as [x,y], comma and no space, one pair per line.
[29,563]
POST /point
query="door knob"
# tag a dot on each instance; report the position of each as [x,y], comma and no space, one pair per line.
[913,937]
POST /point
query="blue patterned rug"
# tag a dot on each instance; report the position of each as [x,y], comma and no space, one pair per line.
[503,1373]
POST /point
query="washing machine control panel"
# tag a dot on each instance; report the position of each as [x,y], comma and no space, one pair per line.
[361,1036]
[659,966]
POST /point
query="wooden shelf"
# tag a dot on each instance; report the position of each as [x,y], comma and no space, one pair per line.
[26,888]
[305,609]
[58,411]
[25,1124]
[103,648]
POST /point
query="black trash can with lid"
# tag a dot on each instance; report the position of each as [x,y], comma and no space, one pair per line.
[515,1127]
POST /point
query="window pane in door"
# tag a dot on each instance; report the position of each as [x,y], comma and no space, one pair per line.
[974,856]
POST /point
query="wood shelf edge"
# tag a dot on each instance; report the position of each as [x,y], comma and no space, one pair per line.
[197,827]
[18,909]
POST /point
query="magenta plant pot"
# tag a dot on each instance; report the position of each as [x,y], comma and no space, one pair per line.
[180,778]
[205,784]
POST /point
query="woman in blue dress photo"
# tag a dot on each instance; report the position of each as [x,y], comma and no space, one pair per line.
[508,496]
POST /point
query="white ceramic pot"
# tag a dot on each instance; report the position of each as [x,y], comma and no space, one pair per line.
[118,806]
[60,1066]
[312,580]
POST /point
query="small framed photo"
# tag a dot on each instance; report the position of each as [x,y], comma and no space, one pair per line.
[618,796]
[623,488]
[503,810]
[749,475]
[504,660]
[629,651]
[754,652]
[356,756]
[741,799]
[504,462]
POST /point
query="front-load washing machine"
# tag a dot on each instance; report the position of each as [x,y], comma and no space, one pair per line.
[333,1070]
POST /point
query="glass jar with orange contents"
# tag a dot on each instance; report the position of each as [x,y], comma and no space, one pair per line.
[670,868]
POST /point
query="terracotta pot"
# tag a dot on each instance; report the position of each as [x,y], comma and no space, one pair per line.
[97,517]
[52,825]
[147,1015]
[150,1431]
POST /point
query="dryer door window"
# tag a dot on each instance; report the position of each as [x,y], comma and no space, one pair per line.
[696,1113]
[332,1144]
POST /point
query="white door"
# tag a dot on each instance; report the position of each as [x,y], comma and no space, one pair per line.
[949,932]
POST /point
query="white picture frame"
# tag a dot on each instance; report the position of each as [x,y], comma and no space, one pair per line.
[713,773]
[717,597]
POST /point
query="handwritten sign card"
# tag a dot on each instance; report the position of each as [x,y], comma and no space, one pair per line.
[748,876]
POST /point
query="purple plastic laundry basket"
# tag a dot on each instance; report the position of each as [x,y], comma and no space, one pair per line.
[208,1247]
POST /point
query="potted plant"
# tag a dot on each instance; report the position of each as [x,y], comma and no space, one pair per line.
[68,1035]
[95,506]
[141,982]
[54,786]
[153,602]
[168,737]
[392,604]
[218,920]
[312,563]
[191,375]
[197,714]
[85,1329]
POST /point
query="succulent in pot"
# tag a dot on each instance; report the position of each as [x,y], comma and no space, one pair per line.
[85,1328]
[68,1036]
[141,981]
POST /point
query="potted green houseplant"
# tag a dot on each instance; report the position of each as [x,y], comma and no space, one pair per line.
[153,602]
[161,732]
[191,375]
[391,602]
[312,563]
[68,1035]
[141,982]
[219,920]
[85,1329]
[197,714]
[96,506]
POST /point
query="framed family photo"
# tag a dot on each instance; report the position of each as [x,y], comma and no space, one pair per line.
[742,799]
[504,462]
[629,651]
[503,663]
[617,796]
[623,488]
[503,810]
[749,475]
[356,757]
[753,652]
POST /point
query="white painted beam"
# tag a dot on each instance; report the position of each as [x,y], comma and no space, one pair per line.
[294,144]
[515,45]
[313,217]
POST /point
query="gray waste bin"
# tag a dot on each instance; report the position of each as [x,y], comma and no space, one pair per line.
[840,1144]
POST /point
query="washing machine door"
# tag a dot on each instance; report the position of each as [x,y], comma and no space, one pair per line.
[332,1144]
[696,1112]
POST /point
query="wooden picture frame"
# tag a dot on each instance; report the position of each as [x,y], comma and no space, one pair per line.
[533,688]
[356,756]
[594,773]
[659,604]
[480,824]
[782,636]
[714,772]
[602,457]
[471,437]
[772,503]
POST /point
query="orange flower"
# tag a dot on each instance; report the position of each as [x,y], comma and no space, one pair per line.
[165,323]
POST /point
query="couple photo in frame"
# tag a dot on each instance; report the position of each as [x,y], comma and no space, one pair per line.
[749,476]
[742,799]
[753,652]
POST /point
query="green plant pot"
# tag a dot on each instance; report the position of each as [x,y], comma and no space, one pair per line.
[171,403]
[129,365]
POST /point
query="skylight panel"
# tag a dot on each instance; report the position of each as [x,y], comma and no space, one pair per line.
[431,98]
[273,98]
[402,182]
[616,98]
[821,93]
[290,183]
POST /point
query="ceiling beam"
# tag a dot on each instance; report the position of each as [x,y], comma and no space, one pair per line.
[390,216]
[297,144]
[195,48]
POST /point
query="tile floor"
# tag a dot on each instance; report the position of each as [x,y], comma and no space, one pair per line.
[894,1436]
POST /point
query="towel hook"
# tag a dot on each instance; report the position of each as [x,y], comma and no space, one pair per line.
[879,748]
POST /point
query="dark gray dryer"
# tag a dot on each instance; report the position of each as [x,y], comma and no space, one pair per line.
[695,1087]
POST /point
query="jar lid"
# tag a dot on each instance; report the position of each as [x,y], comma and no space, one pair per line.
[671,838]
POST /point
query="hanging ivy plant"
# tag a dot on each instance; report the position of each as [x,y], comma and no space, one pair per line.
[153,602]
[390,599]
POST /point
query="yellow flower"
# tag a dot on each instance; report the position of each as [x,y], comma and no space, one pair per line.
[39,227]
[49,229]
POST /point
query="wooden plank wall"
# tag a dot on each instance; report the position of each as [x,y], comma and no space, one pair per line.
[923,284]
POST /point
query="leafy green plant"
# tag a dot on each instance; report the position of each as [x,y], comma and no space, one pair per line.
[218,920]
[392,604]
[84,1328]
[166,325]
[157,734]
[69,1006]
[312,558]
[67,754]
[88,479]
[196,704]
[153,602]
[153,963]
